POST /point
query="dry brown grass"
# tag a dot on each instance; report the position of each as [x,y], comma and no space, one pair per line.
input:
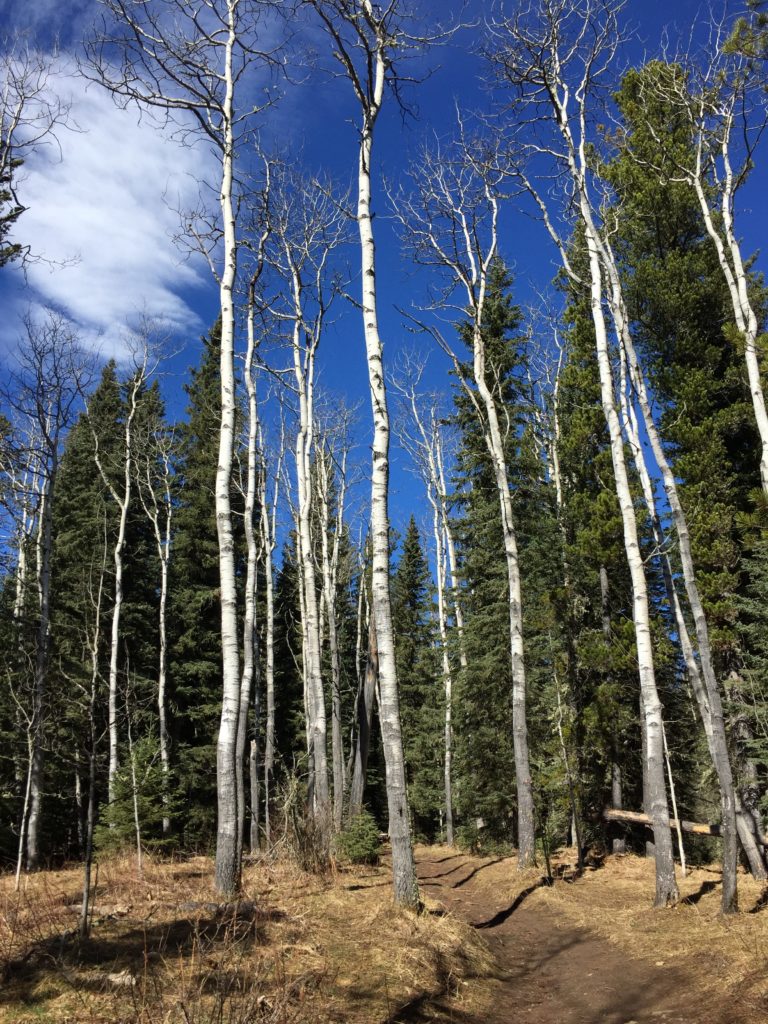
[724,954]
[299,948]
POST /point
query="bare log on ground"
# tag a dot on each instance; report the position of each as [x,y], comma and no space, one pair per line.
[697,827]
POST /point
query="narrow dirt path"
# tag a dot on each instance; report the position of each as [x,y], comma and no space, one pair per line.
[550,970]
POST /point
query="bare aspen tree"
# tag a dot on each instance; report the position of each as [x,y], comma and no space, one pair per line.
[554,57]
[307,227]
[430,440]
[268,539]
[302,665]
[369,42]
[452,223]
[331,485]
[698,661]
[122,499]
[43,390]
[249,680]
[367,688]
[155,481]
[93,639]
[420,435]
[720,97]
[547,428]
[30,114]
[196,64]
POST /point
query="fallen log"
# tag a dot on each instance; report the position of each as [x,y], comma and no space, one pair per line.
[698,827]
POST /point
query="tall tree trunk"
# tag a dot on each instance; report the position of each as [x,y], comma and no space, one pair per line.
[123,501]
[250,637]
[329,572]
[163,546]
[617,793]
[42,647]
[526,837]
[440,558]
[450,541]
[708,695]
[737,281]
[364,710]
[666,885]
[704,681]
[268,543]
[228,864]
[253,761]
[307,580]
[134,792]
[94,645]
[162,682]
[403,866]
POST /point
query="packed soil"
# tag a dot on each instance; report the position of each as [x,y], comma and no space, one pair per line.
[588,948]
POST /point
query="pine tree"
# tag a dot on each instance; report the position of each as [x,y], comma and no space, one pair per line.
[484,764]
[10,211]
[681,318]
[419,681]
[194,616]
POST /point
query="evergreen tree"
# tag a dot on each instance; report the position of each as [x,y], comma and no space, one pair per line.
[682,316]
[484,758]
[10,211]
[421,703]
[194,614]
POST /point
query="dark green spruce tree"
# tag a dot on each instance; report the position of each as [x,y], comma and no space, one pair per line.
[419,683]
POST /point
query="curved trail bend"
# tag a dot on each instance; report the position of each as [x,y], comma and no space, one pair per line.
[552,971]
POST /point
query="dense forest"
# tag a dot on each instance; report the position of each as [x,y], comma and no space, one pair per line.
[213,639]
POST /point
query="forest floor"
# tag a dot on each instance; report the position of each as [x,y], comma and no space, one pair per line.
[589,948]
[494,946]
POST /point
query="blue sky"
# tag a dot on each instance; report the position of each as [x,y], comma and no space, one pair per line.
[106,203]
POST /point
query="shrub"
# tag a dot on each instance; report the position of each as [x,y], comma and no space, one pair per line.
[358,842]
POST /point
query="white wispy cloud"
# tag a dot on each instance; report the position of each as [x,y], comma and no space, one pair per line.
[101,212]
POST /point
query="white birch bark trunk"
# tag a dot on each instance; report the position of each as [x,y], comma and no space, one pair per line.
[732,267]
[42,648]
[123,501]
[249,617]
[268,525]
[134,794]
[366,56]
[666,885]
[440,558]
[227,872]
[304,374]
[450,542]
[701,673]
[364,710]
[575,157]
[673,797]
[403,867]
[163,536]
[43,479]
[330,559]
[526,850]
[94,645]
[460,249]
[307,691]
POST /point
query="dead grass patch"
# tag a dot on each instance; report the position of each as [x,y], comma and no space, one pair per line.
[295,948]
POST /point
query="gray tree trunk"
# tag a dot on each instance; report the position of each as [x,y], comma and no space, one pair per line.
[228,865]
[666,885]
[364,713]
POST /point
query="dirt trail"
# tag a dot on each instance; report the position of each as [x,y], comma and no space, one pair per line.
[552,971]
